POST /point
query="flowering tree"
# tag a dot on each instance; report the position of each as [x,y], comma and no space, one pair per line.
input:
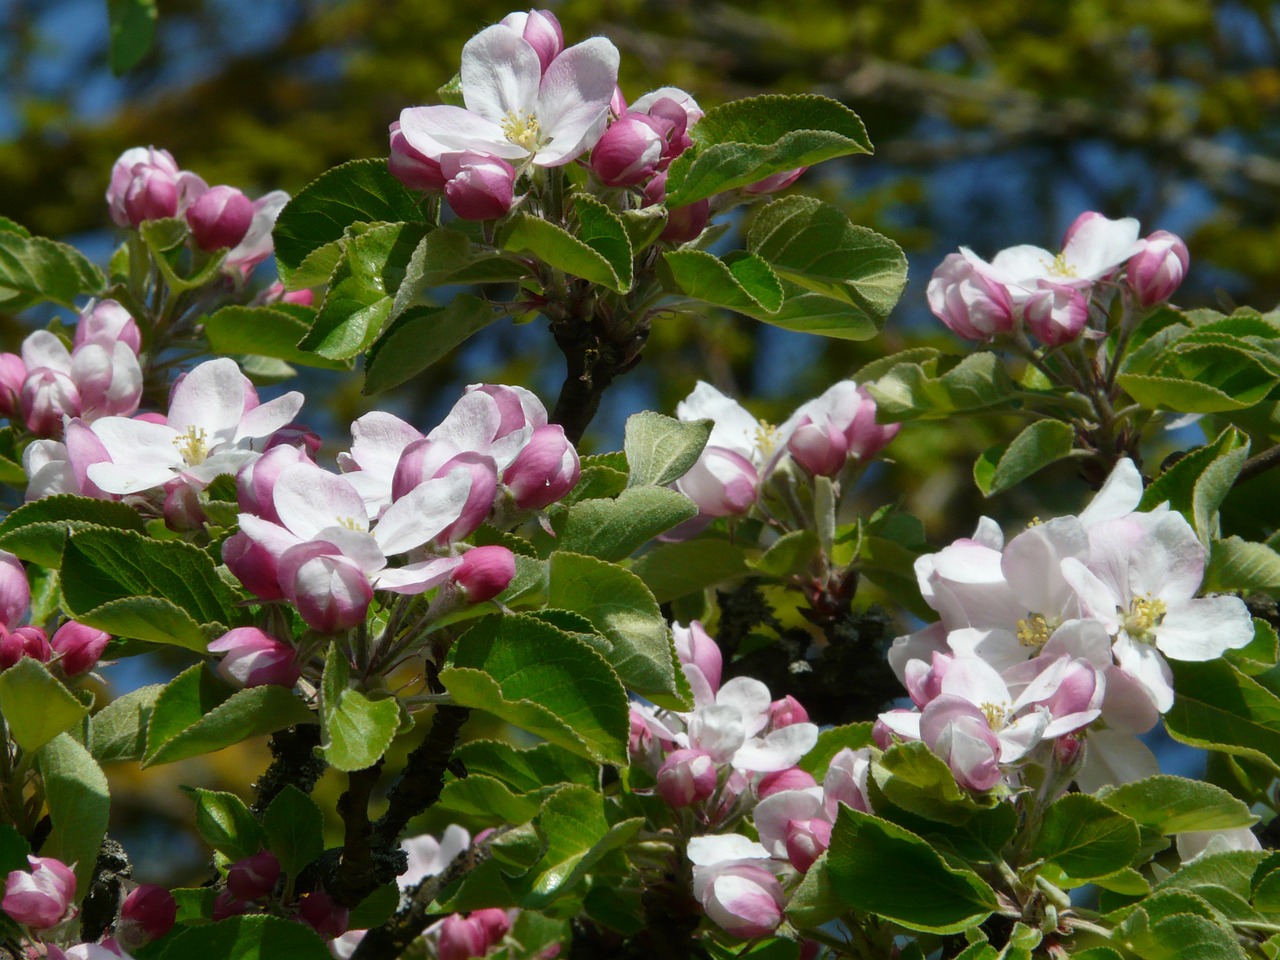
[649,792]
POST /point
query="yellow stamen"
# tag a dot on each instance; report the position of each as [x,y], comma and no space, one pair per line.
[766,438]
[351,523]
[192,445]
[1059,267]
[521,129]
[1034,631]
[997,714]
[1144,616]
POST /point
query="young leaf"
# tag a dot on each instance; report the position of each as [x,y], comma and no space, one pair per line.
[1038,445]
[133,24]
[36,269]
[264,331]
[227,824]
[742,282]
[361,191]
[37,531]
[672,570]
[1219,708]
[251,937]
[1172,804]
[911,390]
[543,680]
[294,826]
[614,529]
[357,729]
[623,611]
[119,730]
[1086,838]
[1236,564]
[742,142]
[419,337]
[661,449]
[35,705]
[79,803]
[560,250]
[601,230]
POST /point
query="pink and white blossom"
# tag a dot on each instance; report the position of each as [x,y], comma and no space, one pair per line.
[41,897]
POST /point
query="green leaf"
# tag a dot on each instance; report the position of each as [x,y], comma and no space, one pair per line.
[361,191]
[841,280]
[911,391]
[528,769]
[1241,565]
[831,741]
[419,337]
[741,282]
[446,257]
[357,730]
[294,827]
[1038,445]
[363,288]
[672,570]
[575,834]
[543,680]
[1086,838]
[1219,708]
[1197,484]
[36,269]
[815,901]
[1181,936]
[644,225]
[601,229]
[742,142]
[133,25]
[490,800]
[132,586]
[878,867]
[227,824]
[250,937]
[35,705]
[614,529]
[197,713]
[1172,804]
[119,730]
[623,611]
[661,449]
[37,531]
[789,555]
[375,909]
[560,250]
[917,781]
[75,788]
[13,850]
[264,331]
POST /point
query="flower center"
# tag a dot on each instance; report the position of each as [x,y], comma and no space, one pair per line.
[1059,267]
[766,439]
[1143,617]
[192,445]
[521,129]
[351,523]
[1034,631]
[997,715]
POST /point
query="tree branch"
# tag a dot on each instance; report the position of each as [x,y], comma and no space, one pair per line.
[423,778]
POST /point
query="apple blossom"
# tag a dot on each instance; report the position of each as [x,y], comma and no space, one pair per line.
[254,877]
[739,893]
[541,30]
[699,654]
[220,217]
[13,372]
[792,778]
[972,303]
[78,647]
[1056,313]
[1157,271]
[544,470]
[254,658]
[15,593]
[515,111]
[686,777]
[147,914]
[478,186]
[106,322]
[485,572]
[42,897]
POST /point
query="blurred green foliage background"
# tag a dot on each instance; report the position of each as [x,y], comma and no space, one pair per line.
[995,121]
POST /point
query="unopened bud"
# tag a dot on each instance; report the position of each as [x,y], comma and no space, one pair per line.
[254,877]
[478,186]
[485,572]
[78,647]
[147,914]
[1156,273]
[254,658]
[23,642]
[411,167]
[220,218]
[42,897]
[323,914]
[687,777]
[543,471]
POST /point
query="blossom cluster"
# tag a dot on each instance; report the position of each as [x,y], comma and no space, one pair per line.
[531,102]
[1059,637]
[825,437]
[1051,294]
[74,649]
[147,184]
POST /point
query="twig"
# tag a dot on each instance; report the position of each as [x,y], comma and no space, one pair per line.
[423,778]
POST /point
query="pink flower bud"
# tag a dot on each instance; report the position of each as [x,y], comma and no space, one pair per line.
[461,938]
[485,572]
[674,111]
[687,777]
[846,782]
[330,590]
[254,658]
[220,218]
[106,323]
[42,898]
[253,565]
[79,647]
[256,480]
[541,30]
[323,914]
[723,483]
[1068,749]
[147,914]
[806,841]
[785,712]
[122,174]
[1157,272]
[792,778]
[495,922]
[545,470]
[478,186]
[518,408]
[152,194]
[683,223]
[23,642]
[225,905]
[411,167]
[628,152]
[182,510]
[48,396]
[695,647]
[1056,314]
[971,304]
[13,373]
[109,380]
[779,181]
[743,899]
[15,594]
[254,877]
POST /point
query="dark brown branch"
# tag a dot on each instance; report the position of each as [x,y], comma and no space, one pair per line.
[357,874]
[294,762]
[423,778]
[1259,464]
